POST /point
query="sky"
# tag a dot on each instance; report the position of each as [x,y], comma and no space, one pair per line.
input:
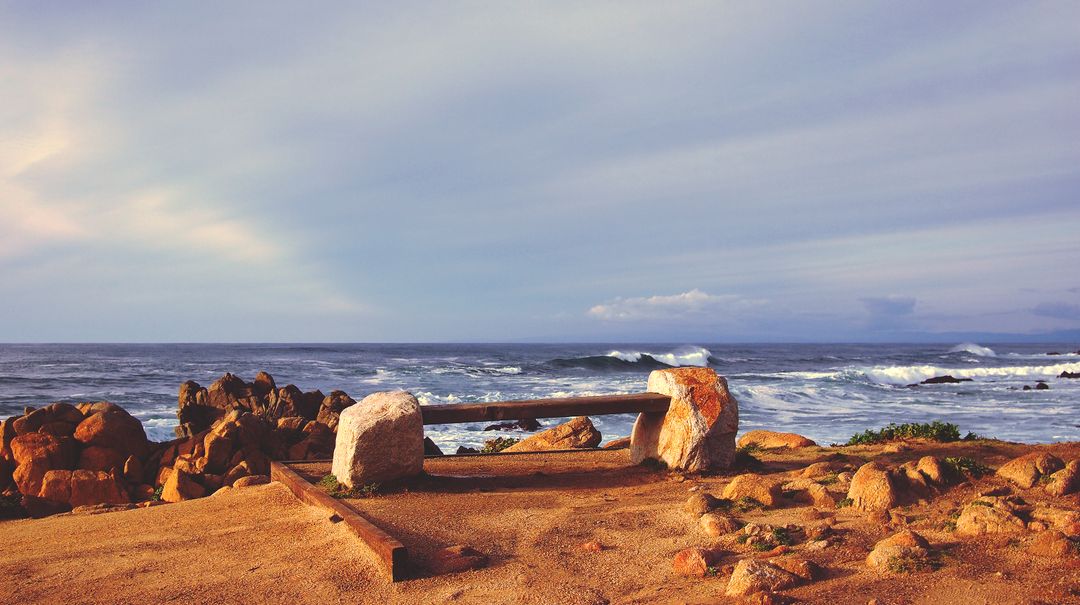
[568,171]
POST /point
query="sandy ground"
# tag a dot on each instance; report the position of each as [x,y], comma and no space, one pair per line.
[529,513]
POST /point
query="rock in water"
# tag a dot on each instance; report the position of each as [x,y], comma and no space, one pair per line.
[379,439]
[578,433]
[872,488]
[945,380]
[772,439]
[698,430]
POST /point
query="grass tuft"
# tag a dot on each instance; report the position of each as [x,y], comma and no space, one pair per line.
[338,490]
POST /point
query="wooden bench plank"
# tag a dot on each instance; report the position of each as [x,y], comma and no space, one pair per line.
[454,413]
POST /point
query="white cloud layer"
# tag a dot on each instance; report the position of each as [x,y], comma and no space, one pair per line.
[691,305]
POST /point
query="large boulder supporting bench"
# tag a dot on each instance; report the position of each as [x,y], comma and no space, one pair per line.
[698,430]
[379,439]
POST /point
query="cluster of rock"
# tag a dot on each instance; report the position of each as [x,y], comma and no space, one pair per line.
[64,456]
[199,407]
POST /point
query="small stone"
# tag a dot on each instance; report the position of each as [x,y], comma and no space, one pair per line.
[701,503]
[772,439]
[807,570]
[715,525]
[695,562]
[756,487]
[455,559]
[904,551]
[591,546]
[251,480]
[755,575]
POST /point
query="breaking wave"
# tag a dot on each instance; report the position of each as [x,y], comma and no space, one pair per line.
[639,360]
[904,375]
[974,349]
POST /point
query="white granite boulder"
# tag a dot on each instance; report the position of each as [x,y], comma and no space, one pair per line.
[698,430]
[379,439]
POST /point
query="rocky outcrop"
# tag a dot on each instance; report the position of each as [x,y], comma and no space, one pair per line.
[1026,470]
[525,424]
[200,407]
[331,407]
[577,433]
[991,515]
[771,439]
[38,453]
[810,492]
[1068,374]
[698,430]
[379,439]
[872,489]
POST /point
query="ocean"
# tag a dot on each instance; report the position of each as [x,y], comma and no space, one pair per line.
[824,391]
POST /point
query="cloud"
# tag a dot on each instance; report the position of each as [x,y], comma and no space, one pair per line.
[1058,310]
[889,312]
[691,304]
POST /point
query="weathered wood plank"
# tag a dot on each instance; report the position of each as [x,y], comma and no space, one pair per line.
[544,408]
[386,548]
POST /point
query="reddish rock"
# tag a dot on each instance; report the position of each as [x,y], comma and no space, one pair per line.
[1026,470]
[1066,481]
[906,546]
[114,429]
[872,489]
[1051,543]
[695,562]
[618,444]
[591,546]
[95,487]
[331,407]
[7,433]
[56,412]
[241,469]
[715,525]
[133,470]
[291,423]
[97,458]
[989,515]
[218,452]
[578,433]
[56,486]
[772,439]
[762,489]
[37,453]
[806,570]
[455,559]
[700,503]
[181,486]
[754,575]
[251,480]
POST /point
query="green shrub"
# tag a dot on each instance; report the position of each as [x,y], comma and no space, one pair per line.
[829,479]
[156,497]
[846,502]
[965,465]
[781,536]
[935,431]
[497,444]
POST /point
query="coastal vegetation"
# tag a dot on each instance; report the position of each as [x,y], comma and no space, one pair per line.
[944,432]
